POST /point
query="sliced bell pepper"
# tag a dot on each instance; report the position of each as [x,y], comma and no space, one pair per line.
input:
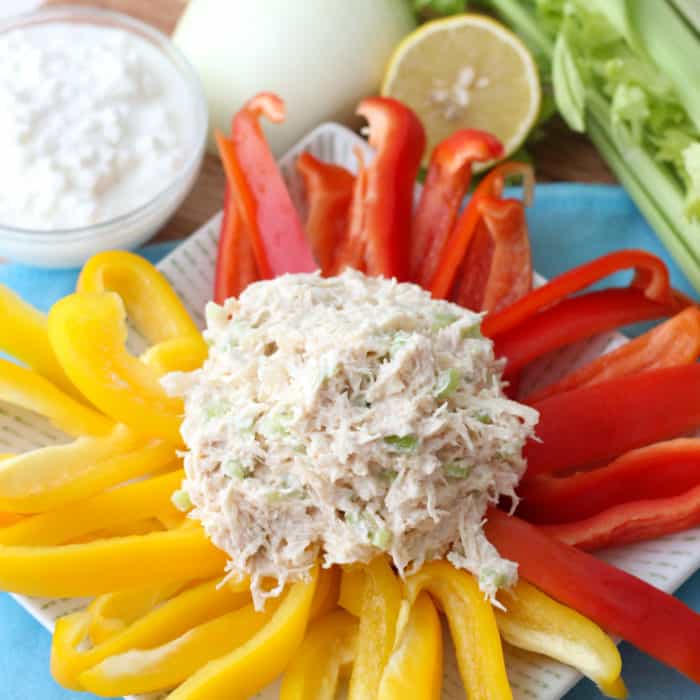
[163,623]
[235,262]
[384,188]
[497,269]
[662,470]
[27,389]
[145,526]
[634,521]
[621,604]
[129,503]
[329,190]
[463,234]
[446,183]
[381,601]
[327,592]
[264,204]
[327,651]
[77,570]
[572,320]
[535,622]
[24,336]
[352,248]
[183,354]
[58,475]
[675,342]
[152,304]
[255,664]
[112,613]
[414,669]
[472,625]
[651,277]
[148,670]
[588,426]
[7,519]
[352,584]
[88,334]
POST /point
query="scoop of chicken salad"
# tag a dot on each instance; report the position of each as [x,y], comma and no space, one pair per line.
[339,418]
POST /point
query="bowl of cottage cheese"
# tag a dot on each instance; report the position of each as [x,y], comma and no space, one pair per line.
[103,127]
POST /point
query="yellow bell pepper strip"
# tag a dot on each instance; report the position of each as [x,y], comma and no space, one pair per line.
[55,476]
[327,651]
[381,601]
[114,612]
[535,622]
[472,625]
[151,302]
[414,669]
[133,527]
[352,585]
[27,389]
[145,671]
[77,570]
[88,334]
[162,624]
[7,519]
[255,664]
[24,336]
[183,354]
[127,504]
[327,592]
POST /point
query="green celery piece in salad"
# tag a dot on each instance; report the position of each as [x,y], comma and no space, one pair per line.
[181,500]
[402,443]
[447,383]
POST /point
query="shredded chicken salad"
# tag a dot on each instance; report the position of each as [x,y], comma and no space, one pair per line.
[343,417]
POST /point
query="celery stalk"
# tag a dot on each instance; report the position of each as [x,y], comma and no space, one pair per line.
[690,9]
[673,47]
[661,205]
[525,23]
[622,71]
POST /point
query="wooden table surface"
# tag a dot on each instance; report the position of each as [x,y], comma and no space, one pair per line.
[560,155]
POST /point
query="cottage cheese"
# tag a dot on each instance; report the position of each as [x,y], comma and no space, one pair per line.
[92,124]
[340,418]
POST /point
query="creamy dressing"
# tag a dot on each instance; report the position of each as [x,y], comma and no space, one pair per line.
[345,417]
[93,124]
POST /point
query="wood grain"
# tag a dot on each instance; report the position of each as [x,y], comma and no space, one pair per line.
[560,155]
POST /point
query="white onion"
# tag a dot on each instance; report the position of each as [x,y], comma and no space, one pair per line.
[321,56]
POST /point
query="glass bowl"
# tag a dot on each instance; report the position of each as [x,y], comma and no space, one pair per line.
[72,247]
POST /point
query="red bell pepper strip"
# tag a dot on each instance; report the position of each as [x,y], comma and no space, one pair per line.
[652,620]
[636,521]
[675,342]
[264,203]
[329,191]
[464,231]
[589,426]
[446,183]
[352,248]
[496,272]
[235,263]
[572,320]
[651,277]
[382,204]
[662,470]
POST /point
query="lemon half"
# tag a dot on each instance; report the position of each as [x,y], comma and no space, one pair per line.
[466,71]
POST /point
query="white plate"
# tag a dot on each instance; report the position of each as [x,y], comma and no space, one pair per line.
[664,563]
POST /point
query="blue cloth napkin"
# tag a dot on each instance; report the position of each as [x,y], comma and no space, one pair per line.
[569,224]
